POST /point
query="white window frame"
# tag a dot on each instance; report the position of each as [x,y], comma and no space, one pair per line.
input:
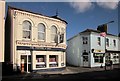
[107,42]
[53,34]
[114,43]
[26,30]
[99,41]
[41,32]
[85,40]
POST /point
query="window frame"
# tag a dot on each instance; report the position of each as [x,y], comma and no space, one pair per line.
[99,41]
[99,58]
[85,40]
[107,42]
[26,30]
[42,32]
[53,34]
[114,43]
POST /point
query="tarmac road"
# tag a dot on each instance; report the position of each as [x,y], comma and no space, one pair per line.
[75,73]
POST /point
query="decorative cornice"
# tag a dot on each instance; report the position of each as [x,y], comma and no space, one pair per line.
[39,44]
[38,16]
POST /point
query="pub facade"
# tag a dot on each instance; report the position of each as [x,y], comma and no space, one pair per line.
[91,49]
[35,41]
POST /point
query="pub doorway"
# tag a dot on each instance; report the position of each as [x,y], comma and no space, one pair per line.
[26,63]
[85,59]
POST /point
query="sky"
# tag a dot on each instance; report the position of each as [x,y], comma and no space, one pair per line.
[79,15]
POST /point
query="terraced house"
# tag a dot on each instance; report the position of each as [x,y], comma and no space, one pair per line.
[35,41]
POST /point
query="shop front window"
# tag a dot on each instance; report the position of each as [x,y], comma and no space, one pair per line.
[40,61]
[98,58]
[115,58]
[53,60]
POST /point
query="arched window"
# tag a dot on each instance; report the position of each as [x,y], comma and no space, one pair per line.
[53,34]
[26,29]
[41,31]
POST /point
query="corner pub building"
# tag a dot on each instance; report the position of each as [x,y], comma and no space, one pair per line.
[34,41]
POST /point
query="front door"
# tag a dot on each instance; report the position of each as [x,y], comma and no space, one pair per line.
[25,63]
[85,59]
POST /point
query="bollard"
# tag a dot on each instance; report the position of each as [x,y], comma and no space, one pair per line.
[22,66]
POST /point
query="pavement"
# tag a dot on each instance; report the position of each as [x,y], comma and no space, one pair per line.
[75,70]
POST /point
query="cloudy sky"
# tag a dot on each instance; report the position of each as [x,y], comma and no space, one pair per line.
[80,14]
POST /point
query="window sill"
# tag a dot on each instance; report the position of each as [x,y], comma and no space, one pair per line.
[26,39]
[40,63]
[41,40]
[98,63]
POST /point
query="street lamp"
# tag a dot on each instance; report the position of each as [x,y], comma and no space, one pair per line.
[109,22]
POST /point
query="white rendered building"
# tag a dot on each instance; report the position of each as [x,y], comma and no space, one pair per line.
[88,49]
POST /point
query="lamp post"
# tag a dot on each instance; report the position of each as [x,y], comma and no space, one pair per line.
[109,22]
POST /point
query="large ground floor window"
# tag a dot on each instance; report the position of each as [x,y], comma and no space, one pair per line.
[114,57]
[98,58]
[40,61]
[53,60]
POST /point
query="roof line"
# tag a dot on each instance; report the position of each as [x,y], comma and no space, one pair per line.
[11,7]
[89,30]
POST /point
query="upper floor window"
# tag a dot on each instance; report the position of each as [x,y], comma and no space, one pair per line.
[114,42]
[85,40]
[99,41]
[107,42]
[62,36]
[26,29]
[41,31]
[53,34]
[62,30]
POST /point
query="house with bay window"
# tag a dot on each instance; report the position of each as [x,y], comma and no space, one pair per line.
[91,48]
[34,41]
